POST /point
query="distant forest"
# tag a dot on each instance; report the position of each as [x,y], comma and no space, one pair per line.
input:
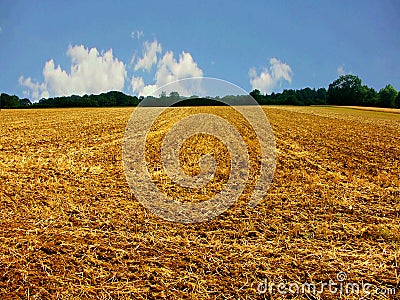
[109,99]
[346,90]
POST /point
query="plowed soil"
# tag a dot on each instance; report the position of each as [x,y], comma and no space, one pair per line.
[71,228]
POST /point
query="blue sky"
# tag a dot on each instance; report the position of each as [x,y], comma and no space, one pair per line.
[50,48]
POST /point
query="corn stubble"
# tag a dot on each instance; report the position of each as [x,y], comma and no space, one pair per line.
[72,229]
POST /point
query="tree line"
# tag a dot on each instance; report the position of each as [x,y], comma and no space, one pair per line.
[346,90]
[110,99]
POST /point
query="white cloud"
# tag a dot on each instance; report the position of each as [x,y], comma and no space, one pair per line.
[35,90]
[137,34]
[90,72]
[149,58]
[170,70]
[340,70]
[133,58]
[270,77]
[137,83]
[1,29]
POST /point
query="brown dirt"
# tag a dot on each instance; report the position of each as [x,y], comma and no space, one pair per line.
[72,229]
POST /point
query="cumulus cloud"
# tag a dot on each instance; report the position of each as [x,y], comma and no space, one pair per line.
[35,90]
[94,72]
[149,58]
[270,77]
[90,72]
[137,83]
[169,70]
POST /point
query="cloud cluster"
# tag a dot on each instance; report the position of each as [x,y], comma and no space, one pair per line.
[91,72]
[94,72]
[35,90]
[270,77]
[169,70]
[150,51]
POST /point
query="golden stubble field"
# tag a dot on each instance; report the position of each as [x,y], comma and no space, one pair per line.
[71,228]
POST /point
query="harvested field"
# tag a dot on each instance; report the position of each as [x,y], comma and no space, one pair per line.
[389,110]
[72,229]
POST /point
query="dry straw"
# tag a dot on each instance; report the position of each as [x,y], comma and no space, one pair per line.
[71,228]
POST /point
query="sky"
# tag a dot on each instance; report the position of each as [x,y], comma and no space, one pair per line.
[56,48]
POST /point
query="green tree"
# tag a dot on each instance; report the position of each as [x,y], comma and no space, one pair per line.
[163,95]
[346,90]
[371,97]
[256,94]
[397,101]
[306,96]
[7,101]
[25,102]
[289,97]
[321,96]
[387,96]
[174,96]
